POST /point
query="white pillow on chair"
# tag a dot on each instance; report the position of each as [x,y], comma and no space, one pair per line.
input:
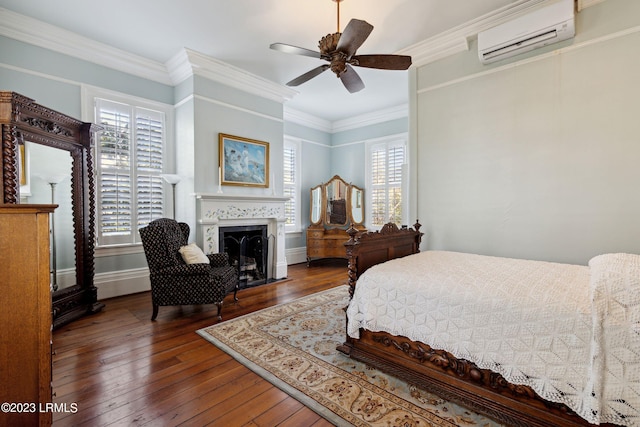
[192,254]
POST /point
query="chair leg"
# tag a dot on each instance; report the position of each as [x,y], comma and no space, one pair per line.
[235,293]
[219,310]
[155,312]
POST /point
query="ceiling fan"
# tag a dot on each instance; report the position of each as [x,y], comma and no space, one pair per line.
[339,49]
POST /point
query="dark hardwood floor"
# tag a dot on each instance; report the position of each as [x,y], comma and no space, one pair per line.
[122,369]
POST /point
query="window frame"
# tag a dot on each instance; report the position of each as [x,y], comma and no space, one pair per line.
[388,142]
[90,95]
[296,143]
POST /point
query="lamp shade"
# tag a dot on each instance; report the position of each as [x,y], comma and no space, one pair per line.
[171,178]
[54,178]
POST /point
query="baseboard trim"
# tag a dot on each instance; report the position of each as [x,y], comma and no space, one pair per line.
[125,282]
[296,255]
[118,283]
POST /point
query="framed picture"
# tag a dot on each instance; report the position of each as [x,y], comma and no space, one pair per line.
[243,161]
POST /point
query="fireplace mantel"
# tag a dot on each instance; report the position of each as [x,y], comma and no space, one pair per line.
[215,210]
[237,197]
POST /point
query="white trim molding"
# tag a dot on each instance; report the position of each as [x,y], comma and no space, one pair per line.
[296,255]
[304,119]
[56,39]
[187,63]
[125,282]
[380,116]
[583,4]
[373,118]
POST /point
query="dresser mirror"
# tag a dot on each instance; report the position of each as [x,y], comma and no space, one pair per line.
[357,205]
[316,205]
[41,147]
[335,206]
[336,202]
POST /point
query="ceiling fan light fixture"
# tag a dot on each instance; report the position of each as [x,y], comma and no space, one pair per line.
[339,49]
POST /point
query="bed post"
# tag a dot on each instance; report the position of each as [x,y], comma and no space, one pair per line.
[352,267]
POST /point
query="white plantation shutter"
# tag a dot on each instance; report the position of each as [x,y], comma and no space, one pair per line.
[291,184]
[149,143]
[129,164]
[385,162]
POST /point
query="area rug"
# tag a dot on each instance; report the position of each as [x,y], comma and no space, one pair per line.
[293,346]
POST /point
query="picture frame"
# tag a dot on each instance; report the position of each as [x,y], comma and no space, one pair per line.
[242,161]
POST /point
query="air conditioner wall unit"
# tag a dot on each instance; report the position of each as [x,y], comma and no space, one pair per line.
[549,24]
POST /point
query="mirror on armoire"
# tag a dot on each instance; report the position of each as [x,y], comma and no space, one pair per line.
[47,180]
[47,159]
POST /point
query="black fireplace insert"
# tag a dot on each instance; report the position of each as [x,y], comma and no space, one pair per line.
[248,249]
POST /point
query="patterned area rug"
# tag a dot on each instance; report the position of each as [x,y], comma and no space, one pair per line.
[293,346]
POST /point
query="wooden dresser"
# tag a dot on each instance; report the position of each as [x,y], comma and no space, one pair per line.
[326,243]
[335,206]
[25,314]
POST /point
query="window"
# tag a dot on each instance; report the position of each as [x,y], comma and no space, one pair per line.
[385,162]
[129,161]
[291,184]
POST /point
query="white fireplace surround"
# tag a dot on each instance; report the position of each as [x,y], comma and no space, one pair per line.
[226,210]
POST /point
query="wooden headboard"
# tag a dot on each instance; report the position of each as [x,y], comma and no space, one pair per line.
[367,249]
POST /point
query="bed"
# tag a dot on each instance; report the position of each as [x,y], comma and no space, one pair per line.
[527,343]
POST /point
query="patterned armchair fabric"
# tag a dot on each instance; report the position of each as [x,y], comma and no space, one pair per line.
[173,282]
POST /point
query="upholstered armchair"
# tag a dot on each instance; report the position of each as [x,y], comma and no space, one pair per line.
[176,282]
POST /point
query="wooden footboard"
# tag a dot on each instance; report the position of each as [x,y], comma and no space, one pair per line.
[434,370]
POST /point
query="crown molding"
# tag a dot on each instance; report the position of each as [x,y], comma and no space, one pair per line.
[188,62]
[583,4]
[41,34]
[313,122]
[305,119]
[380,116]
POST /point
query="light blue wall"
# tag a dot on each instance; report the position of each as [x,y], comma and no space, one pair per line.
[537,156]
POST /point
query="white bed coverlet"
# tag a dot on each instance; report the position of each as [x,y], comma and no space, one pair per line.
[569,332]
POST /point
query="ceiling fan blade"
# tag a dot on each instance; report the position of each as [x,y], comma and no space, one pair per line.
[287,48]
[308,75]
[383,62]
[354,34]
[351,80]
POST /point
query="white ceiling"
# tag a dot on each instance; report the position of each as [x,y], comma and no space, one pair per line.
[239,32]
